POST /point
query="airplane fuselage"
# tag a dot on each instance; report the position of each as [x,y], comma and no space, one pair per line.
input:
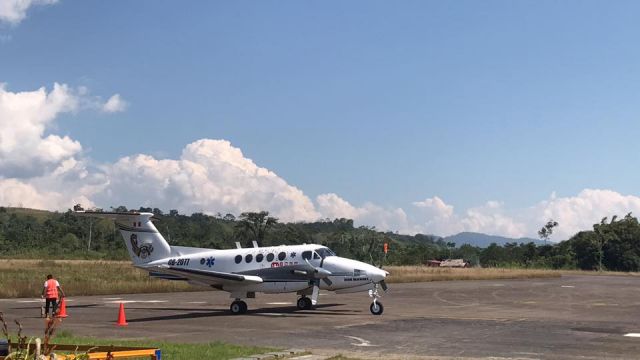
[282,268]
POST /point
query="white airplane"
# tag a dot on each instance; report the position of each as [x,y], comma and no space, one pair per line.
[303,269]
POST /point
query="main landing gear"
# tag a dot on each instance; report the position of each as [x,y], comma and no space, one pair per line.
[238,307]
[304,303]
[376,307]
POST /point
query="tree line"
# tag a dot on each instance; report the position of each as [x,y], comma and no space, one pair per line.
[611,244]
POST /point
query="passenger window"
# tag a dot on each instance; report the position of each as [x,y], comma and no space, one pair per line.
[282,256]
[259,257]
[248,258]
[316,256]
[270,257]
[306,255]
[238,259]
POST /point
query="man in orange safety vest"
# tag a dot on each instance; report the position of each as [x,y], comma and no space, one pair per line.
[51,292]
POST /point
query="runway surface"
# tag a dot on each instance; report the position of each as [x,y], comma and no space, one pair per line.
[573,317]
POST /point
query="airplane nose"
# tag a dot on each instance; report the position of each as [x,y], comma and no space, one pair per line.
[376,275]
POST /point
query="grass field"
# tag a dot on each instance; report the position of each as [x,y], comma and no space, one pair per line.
[404,274]
[212,350]
[24,278]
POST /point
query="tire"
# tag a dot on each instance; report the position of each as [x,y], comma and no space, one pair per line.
[302,303]
[308,304]
[376,308]
[238,307]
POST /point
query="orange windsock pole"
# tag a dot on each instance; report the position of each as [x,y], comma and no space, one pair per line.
[122,319]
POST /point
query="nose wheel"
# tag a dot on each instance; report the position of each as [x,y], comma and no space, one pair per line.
[304,303]
[238,307]
[376,307]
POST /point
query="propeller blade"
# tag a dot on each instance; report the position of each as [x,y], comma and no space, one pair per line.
[316,292]
[320,272]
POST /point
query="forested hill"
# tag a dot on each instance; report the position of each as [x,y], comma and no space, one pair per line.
[26,233]
[484,240]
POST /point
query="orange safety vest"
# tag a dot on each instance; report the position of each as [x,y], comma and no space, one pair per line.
[52,289]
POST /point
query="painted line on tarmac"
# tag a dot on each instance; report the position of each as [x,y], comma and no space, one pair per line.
[567,286]
[38,301]
[111,299]
[136,301]
[280,303]
[636,335]
[362,342]
[196,302]
[271,314]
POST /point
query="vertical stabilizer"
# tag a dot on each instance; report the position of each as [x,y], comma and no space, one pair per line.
[144,242]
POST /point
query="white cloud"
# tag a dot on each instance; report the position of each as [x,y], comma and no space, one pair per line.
[14,11]
[394,219]
[25,151]
[210,176]
[114,104]
[25,148]
[580,212]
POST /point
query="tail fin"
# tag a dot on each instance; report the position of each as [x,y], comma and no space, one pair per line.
[143,240]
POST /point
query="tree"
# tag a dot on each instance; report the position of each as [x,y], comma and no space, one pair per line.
[547,230]
[256,224]
[603,236]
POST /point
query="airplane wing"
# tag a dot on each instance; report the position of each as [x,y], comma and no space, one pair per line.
[208,276]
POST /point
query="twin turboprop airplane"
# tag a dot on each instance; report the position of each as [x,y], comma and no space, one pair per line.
[303,269]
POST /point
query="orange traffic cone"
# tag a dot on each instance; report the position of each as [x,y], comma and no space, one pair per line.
[62,312]
[122,319]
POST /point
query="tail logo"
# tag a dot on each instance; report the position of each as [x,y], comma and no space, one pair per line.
[142,251]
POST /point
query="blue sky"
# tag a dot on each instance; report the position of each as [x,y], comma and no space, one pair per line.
[387,103]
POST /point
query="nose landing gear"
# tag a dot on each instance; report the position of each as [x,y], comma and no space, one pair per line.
[376,307]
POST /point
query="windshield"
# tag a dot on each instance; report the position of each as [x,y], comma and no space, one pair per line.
[324,252]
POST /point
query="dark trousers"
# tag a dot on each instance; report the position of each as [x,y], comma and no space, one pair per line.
[54,303]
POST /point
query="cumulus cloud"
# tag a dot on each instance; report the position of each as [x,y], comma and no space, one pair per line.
[25,148]
[114,104]
[210,176]
[14,11]
[25,151]
[333,206]
[580,212]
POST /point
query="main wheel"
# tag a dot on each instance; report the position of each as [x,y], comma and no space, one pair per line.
[238,307]
[376,308]
[304,303]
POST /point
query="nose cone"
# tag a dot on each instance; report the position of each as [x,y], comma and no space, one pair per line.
[376,275]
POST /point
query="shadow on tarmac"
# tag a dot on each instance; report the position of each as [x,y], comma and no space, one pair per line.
[289,311]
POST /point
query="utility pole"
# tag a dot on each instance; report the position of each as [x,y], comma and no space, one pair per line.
[90,226]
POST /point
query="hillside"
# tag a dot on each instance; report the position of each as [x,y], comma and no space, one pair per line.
[484,240]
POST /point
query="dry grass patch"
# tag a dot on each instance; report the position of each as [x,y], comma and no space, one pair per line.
[25,278]
[404,274]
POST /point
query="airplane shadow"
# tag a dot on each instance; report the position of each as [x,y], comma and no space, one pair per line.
[68,307]
[289,311]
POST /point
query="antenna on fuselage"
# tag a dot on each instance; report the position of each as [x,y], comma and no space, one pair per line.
[238,246]
[255,244]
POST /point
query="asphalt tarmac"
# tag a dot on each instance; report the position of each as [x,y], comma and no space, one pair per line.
[573,317]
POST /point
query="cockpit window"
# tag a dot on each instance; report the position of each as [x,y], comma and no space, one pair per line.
[324,252]
[306,255]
